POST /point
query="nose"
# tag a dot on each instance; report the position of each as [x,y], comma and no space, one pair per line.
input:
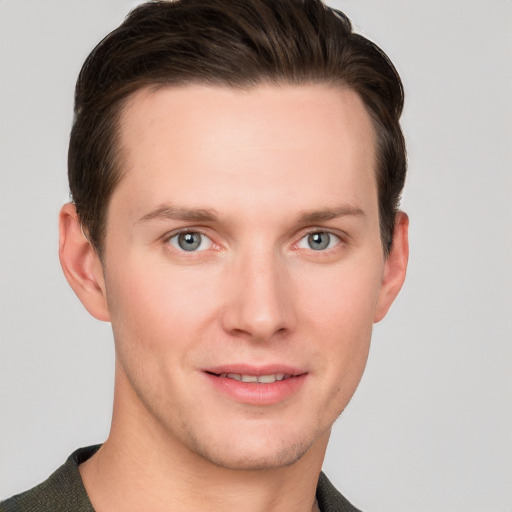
[259,300]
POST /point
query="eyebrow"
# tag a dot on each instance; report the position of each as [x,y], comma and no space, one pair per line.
[314,216]
[167,211]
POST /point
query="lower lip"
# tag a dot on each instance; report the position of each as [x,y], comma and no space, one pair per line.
[255,393]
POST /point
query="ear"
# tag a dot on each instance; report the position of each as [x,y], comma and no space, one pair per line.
[81,265]
[395,267]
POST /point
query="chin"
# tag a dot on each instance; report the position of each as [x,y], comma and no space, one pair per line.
[254,451]
[248,460]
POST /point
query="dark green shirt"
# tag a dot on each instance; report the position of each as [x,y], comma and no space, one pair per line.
[64,491]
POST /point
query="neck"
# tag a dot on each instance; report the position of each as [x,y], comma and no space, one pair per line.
[142,467]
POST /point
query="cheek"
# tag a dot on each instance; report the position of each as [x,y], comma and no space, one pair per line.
[340,308]
[158,305]
[341,298]
[155,326]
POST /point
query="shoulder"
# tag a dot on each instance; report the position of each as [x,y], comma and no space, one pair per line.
[330,499]
[62,491]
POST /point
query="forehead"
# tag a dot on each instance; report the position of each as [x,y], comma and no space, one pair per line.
[224,146]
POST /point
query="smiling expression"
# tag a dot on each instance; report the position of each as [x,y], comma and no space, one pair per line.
[243,266]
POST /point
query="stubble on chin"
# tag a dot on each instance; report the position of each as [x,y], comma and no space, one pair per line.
[283,453]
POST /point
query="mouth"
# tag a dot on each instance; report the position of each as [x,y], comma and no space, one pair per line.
[257,386]
[253,379]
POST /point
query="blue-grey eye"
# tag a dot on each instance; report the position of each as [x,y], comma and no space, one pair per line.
[318,241]
[190,241]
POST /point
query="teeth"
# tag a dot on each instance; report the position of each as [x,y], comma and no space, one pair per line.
[262,379]
[267,379]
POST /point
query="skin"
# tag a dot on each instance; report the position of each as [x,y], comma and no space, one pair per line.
[256,172]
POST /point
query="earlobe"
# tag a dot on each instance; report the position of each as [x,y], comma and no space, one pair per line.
[81,264]
[395,267]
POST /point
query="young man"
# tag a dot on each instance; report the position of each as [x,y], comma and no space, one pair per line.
[235,169]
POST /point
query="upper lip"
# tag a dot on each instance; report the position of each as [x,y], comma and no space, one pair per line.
[245,369]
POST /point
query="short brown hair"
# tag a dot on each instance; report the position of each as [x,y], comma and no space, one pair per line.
[234,43]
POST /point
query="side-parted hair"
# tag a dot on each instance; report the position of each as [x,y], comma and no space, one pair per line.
[231,43]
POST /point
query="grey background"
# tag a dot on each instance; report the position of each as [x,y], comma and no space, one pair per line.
[430,426]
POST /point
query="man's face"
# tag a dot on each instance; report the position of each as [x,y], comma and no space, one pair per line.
[243,243]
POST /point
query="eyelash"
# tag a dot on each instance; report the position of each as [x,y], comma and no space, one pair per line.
[330,236]
[175,236]
[204,237]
